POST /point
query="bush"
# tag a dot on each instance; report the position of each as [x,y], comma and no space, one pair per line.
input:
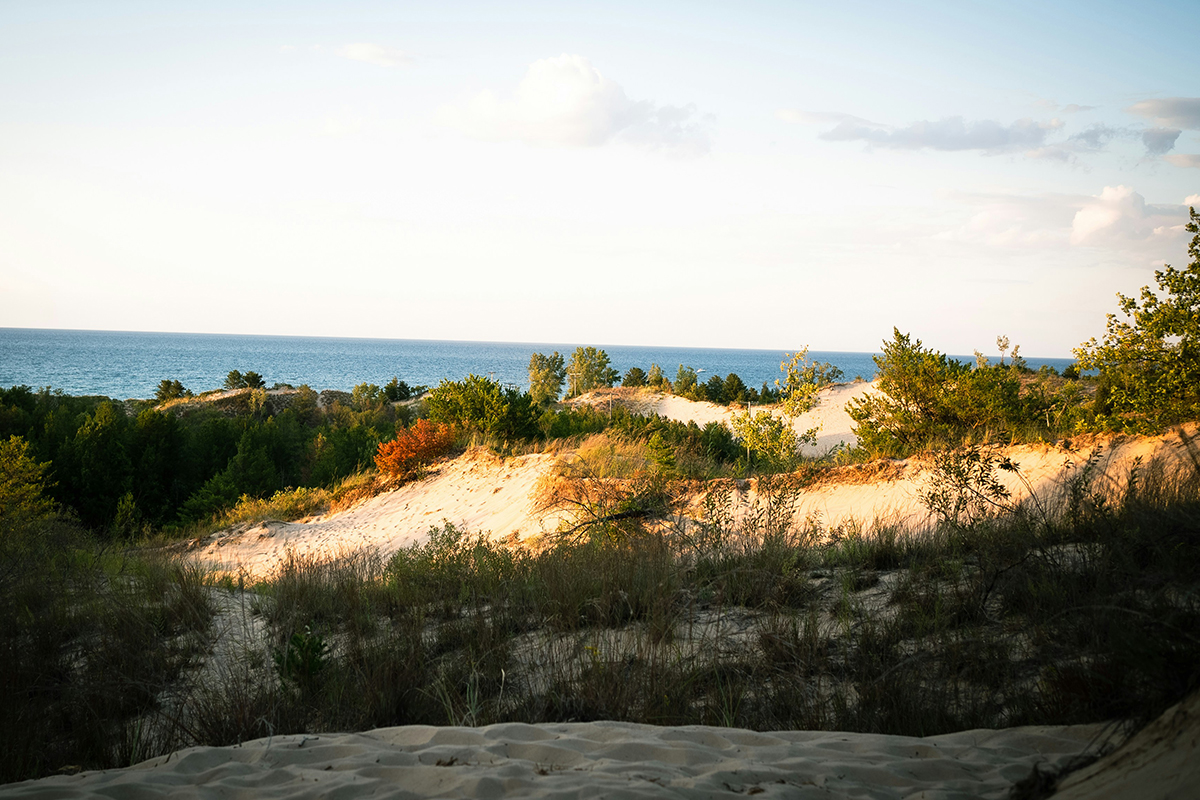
[414,447]
[484,405]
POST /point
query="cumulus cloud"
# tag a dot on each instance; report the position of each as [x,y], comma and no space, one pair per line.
[1184,159]
[375,54]
[1116,218]
[1120,216]
[566,101]
[1170,112]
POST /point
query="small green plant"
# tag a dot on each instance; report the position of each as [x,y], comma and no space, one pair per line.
[302,659]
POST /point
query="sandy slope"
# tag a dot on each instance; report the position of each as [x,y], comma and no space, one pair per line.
[478,492]
[829,417]
[481,493]
[596,759]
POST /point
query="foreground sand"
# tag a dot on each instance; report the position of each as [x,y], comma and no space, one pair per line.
[596,759]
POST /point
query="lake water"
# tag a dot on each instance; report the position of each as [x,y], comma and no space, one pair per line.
[131,364]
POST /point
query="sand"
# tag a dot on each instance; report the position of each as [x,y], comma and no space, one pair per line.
[477,492]
[481,493]
[834,426]
[595,759]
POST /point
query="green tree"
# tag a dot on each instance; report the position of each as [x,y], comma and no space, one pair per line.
[96,469]
[397,390]
[634,377]
[170,390]
[656,380]
[235,380]
[772,440]
[685,381]
[735,389]
[23,500]
[254,380]
[804,379]
[714,390]
[589,369]
[1150,360]
[546,375]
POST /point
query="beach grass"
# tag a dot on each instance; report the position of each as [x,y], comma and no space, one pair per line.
[1083,612]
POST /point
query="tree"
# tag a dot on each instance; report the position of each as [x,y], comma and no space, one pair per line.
[171,390]
[546,375]
[397,390]
[735,389]
[589,369]
[23,500]
[804,380]
[251,380]
[685,380]
[656,380]
[1151,359]
[635,377]
[771,439]
[714,390]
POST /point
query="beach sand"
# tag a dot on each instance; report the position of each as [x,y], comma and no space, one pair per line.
[594,759]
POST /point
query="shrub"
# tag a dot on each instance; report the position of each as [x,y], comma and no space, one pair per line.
[485,405]
[413,447]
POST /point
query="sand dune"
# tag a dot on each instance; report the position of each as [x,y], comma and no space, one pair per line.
[482,493]
[596,759]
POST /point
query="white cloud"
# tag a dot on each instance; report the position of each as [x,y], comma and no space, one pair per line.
[1192,200]
[1119,216]
[566,101]
[1184,159]
[1170,112]
[375,54]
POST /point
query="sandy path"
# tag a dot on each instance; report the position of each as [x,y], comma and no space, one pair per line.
[595,759]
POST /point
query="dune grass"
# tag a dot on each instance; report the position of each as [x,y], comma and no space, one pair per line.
[1084,612]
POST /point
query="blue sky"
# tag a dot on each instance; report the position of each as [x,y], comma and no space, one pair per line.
[701,174]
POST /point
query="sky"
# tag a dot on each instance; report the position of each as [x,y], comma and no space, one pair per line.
[754,174]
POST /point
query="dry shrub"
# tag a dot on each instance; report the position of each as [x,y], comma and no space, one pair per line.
[413,447]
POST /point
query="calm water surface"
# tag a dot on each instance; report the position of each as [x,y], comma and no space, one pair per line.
[130,364]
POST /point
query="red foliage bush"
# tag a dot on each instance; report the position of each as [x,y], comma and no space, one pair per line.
[414,446]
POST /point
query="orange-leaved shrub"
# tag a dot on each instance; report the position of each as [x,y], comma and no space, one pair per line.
[414,446]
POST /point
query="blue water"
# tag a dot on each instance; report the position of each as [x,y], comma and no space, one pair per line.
[130,364]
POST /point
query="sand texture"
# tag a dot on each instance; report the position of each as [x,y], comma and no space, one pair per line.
[577,760]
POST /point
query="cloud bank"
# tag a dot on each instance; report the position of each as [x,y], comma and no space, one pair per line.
[1170,112]
[565,101]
